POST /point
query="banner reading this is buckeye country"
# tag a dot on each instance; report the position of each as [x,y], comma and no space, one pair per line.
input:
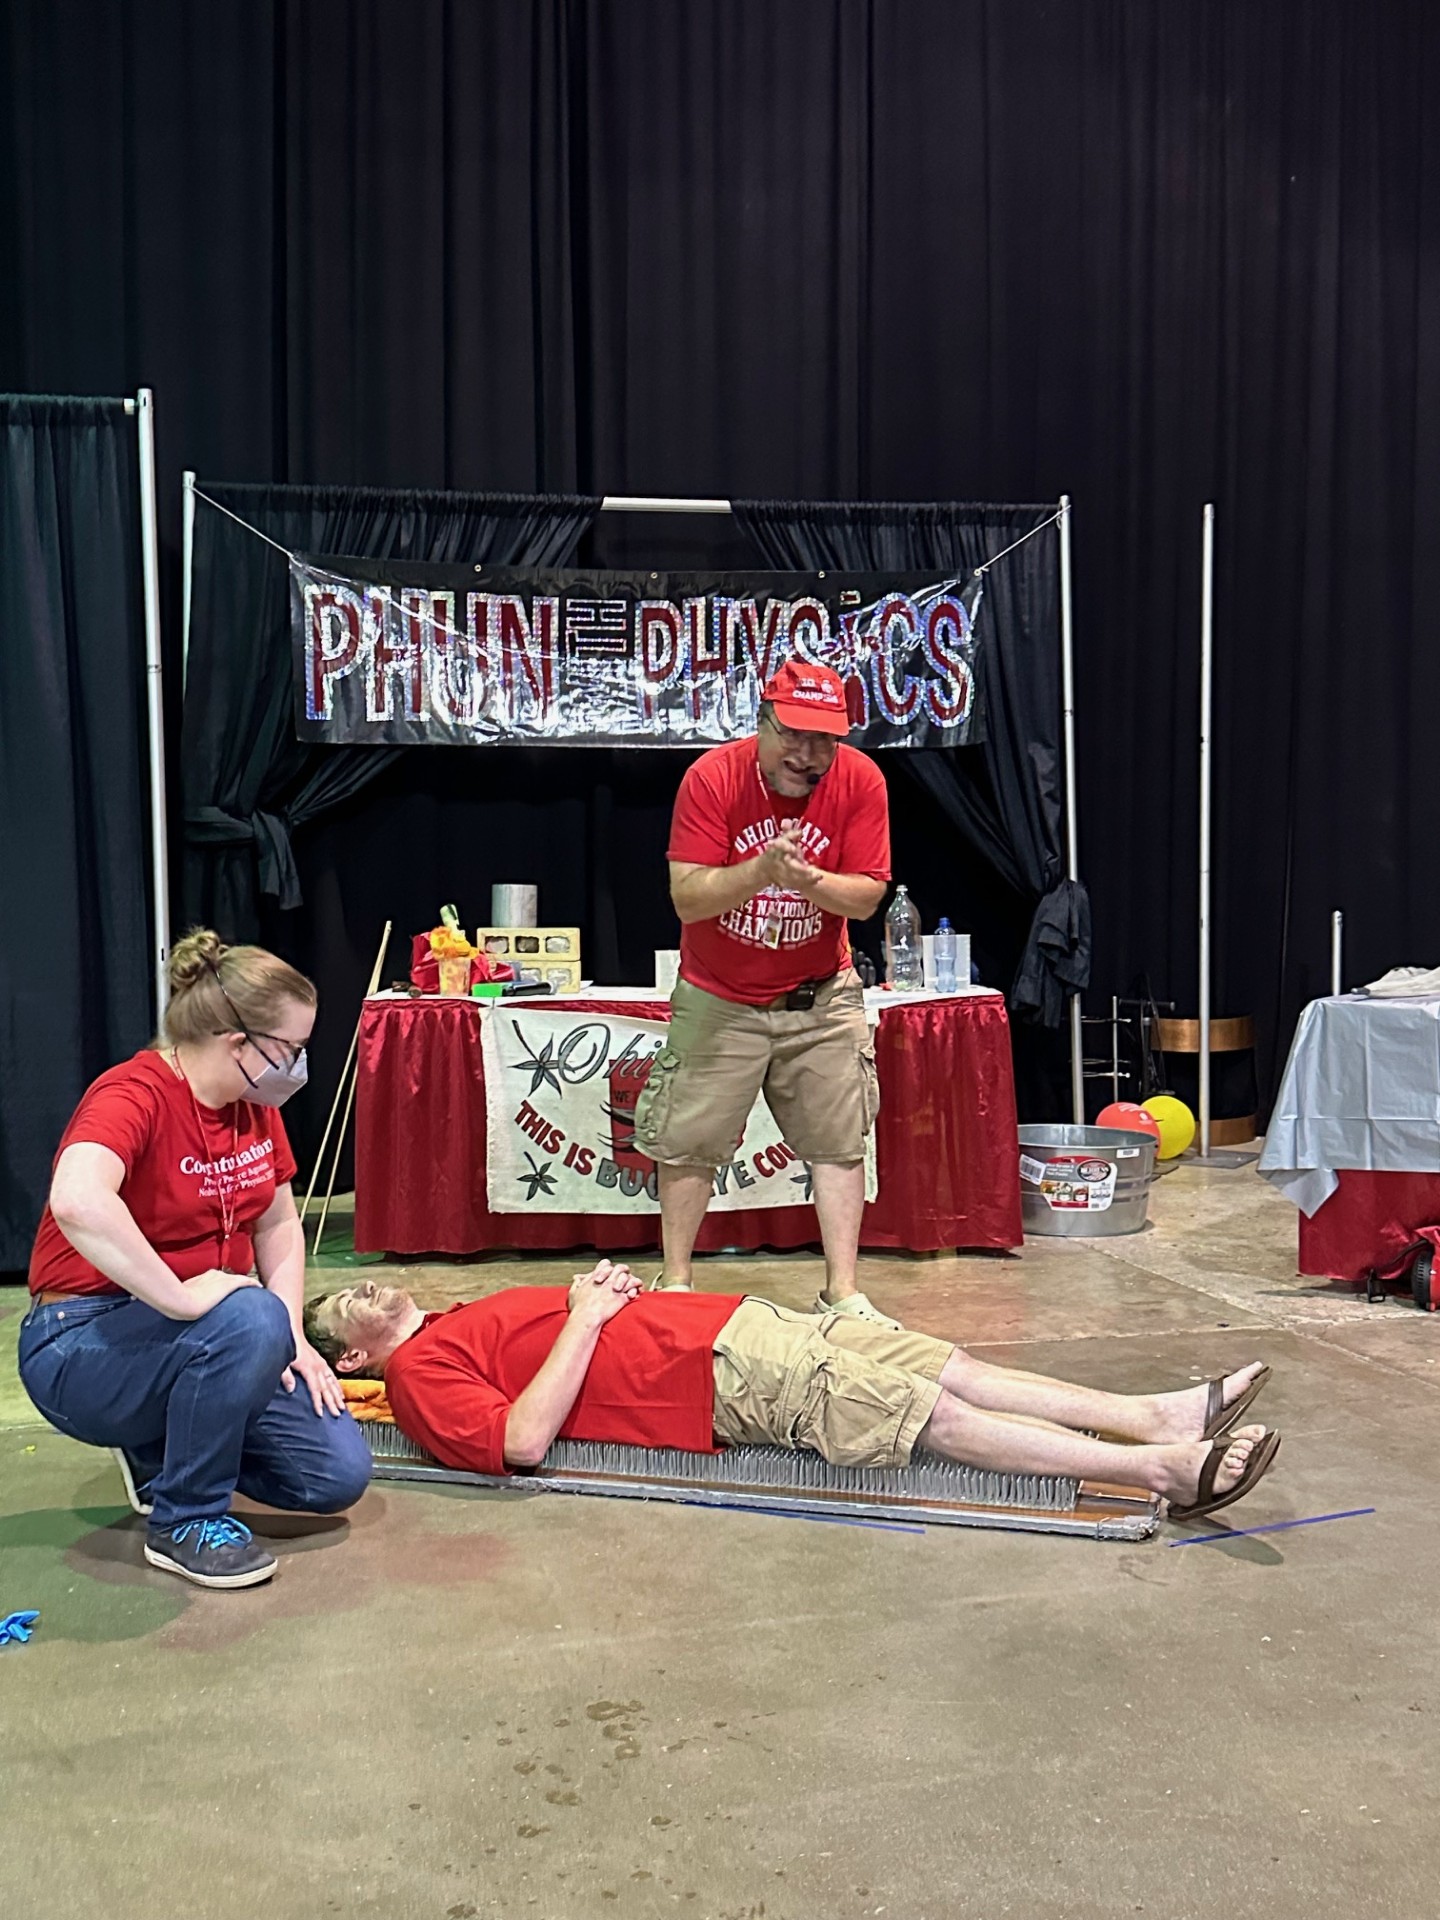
[401,654]
[560,1096]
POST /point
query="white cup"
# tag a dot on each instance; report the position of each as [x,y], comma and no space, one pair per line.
[667,969]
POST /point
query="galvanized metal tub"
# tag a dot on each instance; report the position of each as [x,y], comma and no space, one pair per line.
[1082,1183]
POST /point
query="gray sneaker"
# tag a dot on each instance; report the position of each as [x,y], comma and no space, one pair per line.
[212,1553]
[137,1491]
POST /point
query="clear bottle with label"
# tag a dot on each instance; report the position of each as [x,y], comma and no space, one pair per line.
[904,956]
[945,957]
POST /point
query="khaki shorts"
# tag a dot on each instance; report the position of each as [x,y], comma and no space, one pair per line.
[816,1069]
[857,1394]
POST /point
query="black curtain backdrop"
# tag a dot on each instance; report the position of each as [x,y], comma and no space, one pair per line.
[840,249]
[75,977]
[250,785]
[248,782]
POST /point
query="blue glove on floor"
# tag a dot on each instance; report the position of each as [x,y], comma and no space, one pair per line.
[16,1626]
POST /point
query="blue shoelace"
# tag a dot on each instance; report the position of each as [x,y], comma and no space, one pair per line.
[214,1534]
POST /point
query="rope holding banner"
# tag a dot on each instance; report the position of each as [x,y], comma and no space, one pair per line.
[985,565]
[242,523]
[980,571]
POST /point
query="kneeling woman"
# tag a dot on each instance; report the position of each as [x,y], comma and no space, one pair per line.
[168,1275]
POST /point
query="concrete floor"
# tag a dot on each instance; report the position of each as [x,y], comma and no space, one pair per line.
[463,1704]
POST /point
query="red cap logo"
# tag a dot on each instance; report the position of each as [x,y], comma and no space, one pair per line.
[809,698]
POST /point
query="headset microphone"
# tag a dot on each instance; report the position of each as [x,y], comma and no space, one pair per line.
[813,779]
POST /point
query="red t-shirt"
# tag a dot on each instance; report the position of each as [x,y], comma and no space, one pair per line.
[725,812]
[177,1168]
[651,1382]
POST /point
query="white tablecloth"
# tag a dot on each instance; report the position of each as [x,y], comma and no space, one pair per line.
[1361,1091]
[877,999]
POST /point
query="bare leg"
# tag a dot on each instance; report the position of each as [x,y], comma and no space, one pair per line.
[839,1203]
[1012,1446]
[1157,1417]
[684,1196]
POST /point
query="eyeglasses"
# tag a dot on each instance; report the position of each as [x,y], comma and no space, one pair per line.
[292,1049]
[825,744]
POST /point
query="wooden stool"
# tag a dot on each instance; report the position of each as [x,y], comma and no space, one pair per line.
[1232,1075]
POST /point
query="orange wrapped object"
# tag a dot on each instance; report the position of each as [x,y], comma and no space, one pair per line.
[444,961]
[454,972]
[449,943]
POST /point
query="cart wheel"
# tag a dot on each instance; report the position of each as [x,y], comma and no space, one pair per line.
[1420,1280]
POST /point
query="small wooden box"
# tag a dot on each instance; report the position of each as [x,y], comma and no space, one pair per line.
[553,953]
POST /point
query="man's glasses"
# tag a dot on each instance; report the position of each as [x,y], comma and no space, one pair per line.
[792,738]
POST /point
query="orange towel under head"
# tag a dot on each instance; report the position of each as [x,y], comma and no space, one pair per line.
[366,1399]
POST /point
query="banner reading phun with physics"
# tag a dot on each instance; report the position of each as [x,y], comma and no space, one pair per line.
[400,654]
[560,1096]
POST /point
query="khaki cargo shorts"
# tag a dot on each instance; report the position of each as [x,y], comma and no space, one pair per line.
[857,1394]
[816,1069]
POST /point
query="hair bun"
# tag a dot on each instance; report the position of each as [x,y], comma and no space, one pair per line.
[192,958]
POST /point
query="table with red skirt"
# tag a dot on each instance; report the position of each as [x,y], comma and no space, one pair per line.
[947,1164]
[1354,1138]
[1371,1220]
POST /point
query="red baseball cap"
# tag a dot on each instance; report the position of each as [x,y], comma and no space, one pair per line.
[809,698]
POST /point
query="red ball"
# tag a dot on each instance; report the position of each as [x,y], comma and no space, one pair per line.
[1131,1116]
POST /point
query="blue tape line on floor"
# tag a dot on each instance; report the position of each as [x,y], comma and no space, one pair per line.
[1275,1526]
[830,1519]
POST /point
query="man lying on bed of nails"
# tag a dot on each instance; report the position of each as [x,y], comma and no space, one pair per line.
[488,1385]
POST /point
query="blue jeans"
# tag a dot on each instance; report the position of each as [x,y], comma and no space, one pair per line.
[196,1404]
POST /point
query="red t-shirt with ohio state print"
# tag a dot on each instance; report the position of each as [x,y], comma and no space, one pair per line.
[725,813]
[181,1161]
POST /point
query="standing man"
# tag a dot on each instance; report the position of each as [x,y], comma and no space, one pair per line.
[777,840]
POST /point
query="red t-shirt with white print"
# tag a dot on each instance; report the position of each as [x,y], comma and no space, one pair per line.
[725,813]
[182,1160]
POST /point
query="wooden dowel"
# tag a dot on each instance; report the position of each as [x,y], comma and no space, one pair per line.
[375,973]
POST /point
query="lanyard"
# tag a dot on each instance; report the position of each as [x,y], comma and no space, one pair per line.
[224,1189]
[767,794]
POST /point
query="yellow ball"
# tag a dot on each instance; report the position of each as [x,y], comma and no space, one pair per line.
[1175,1121]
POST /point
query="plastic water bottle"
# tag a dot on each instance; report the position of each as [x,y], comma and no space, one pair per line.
[904,956]
[945,956]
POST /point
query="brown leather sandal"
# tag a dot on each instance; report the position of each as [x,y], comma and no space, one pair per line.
[1262,1458]
[1219,1417]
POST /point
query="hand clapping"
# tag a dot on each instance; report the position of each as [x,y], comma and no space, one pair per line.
[783,864]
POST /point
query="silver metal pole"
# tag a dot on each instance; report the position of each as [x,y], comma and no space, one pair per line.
[1115,1045]
[1207,648]
[1337,950]
[1072,857]
[644,503]
[187,567]
[155,696]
